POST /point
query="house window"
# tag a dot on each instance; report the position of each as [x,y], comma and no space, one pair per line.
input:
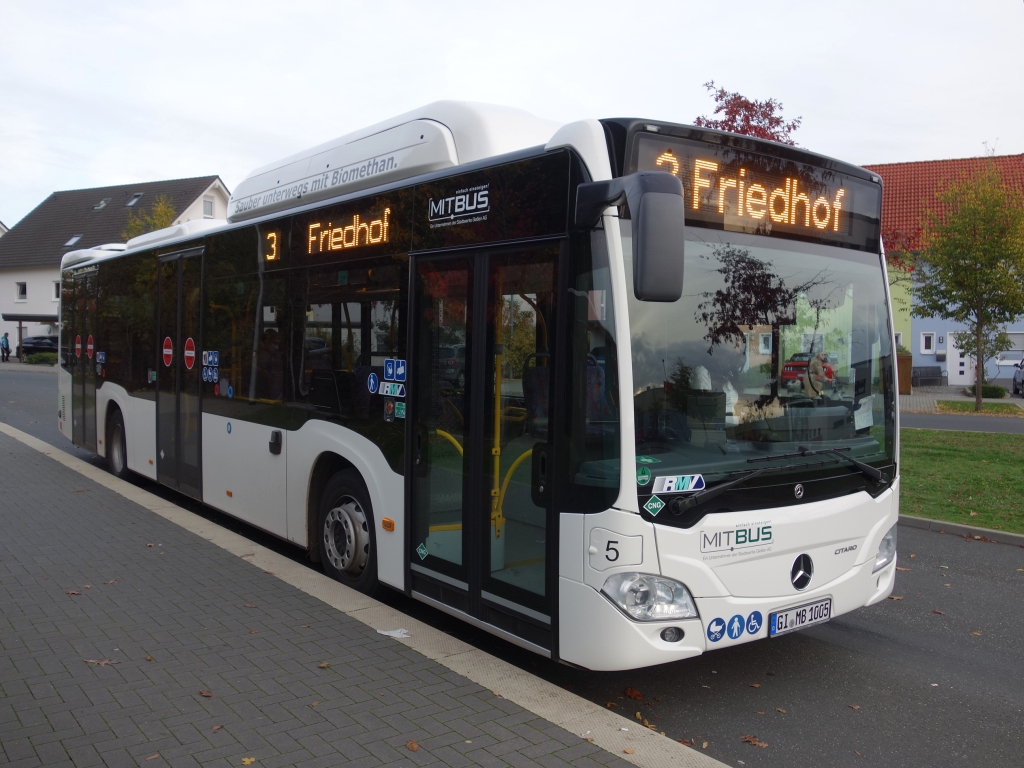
[74,239]
[765,343]
[927,343]
[899,338]
[22,291]
[133,200]
[101,204]
[56,290]
[207,208]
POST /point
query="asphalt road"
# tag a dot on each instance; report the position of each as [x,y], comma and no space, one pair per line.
[933,679]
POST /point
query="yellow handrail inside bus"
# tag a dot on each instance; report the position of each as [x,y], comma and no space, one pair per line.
[450,439]
[497,517]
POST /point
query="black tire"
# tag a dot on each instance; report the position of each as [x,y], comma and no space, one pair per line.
[346,534]
[117,446]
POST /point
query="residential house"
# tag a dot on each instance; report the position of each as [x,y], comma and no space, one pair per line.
[909,191]
[30,253]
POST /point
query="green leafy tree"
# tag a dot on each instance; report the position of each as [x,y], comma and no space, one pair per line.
[971,269]
[161,214]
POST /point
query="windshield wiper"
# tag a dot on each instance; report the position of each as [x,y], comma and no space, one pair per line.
[877,475]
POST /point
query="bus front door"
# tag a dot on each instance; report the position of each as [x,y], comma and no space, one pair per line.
[179,378]
[482,532]
[83,389]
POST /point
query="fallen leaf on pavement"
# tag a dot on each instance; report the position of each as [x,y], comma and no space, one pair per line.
[976,634]
[760,713]
[248,554]
[755,685]
[412,746]
[857,753]
[628,751]
[895,597]
[149,545]
[149,658]
[87,586]
[217,727]
[752,740]
[72,592]
[101,662]
[639,717]
[690,743]
[253,632]
[853,706]
[941,613]
[781,710]
[248,760]
[111,581]
[610,704]
[704,745]
[153,757]
[315,704]
[901,569]
[913,556]
[249,605]
[1020,570]
[325,665]
[633,693]
[206,694]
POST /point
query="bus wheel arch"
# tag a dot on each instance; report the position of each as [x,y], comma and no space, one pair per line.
[326,466]
[116,442]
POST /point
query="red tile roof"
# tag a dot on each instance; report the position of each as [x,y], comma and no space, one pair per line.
[910,189]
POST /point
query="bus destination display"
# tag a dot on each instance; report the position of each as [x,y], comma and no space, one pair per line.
[751,192]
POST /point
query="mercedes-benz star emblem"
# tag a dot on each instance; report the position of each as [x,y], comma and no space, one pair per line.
[803,569]
[798,490]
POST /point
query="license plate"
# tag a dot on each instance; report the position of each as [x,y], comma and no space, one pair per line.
[802,616]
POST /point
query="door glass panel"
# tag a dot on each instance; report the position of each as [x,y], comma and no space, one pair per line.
[167,379]
[88,361]
[519,375]
[442,416]
[190,372]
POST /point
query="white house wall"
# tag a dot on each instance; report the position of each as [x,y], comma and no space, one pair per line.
[39,301]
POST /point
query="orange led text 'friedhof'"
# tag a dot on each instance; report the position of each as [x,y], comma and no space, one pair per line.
[322,238]
[781,204]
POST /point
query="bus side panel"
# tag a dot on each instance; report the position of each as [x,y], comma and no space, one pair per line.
[386,487]
[240,474]
[64,381]
[140,434]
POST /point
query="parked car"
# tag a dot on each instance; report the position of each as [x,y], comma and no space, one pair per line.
[795,368]
[33,344]
[1018,378]
[453,364]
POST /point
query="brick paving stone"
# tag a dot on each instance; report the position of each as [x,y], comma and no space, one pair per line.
[181,602]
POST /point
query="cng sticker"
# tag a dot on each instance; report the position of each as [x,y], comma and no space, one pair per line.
[168,351]
[190,353]
[643,476]
[654,505]
[421,550]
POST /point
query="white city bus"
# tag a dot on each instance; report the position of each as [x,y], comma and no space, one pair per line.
[619,391]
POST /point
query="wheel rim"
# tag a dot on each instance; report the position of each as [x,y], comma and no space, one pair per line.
[346,537]
[117,450]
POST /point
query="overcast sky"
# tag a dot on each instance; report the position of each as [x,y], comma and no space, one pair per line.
[101,93]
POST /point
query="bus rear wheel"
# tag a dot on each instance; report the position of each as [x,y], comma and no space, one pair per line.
[117,448]
[348,542]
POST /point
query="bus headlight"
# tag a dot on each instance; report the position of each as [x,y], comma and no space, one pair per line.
[886,550]
[644,597]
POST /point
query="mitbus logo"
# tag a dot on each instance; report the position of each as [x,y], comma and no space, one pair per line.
[466,202]
[739,537]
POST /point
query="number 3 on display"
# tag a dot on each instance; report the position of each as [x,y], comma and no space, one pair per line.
[608,552]
[272,246]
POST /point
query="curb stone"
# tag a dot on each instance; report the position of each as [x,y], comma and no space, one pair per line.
[544,699]
[986,534]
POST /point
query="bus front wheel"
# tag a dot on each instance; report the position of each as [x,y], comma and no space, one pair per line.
[346,535]
[117,447]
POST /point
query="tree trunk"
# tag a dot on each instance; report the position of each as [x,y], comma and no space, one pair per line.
[979,366]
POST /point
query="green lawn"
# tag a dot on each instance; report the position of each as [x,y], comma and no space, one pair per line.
[975,478]
[987,409]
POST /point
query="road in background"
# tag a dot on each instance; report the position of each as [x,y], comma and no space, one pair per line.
[931,679]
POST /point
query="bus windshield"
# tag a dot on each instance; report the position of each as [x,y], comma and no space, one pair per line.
[776,348]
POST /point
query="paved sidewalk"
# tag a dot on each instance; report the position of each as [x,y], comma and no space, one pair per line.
[291,680]
[925,399]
